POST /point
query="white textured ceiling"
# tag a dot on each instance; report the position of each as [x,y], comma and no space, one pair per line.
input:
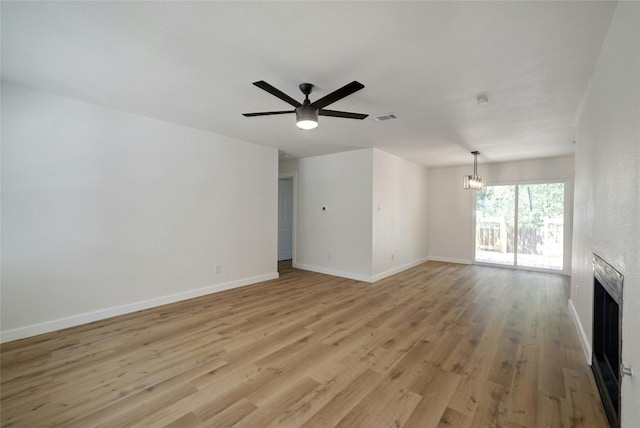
[193,64]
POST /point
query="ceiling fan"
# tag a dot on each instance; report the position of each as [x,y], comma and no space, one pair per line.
[307,112]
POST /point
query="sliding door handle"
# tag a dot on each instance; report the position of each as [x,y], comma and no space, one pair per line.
[626,371]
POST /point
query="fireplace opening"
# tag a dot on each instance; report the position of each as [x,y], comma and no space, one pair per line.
[607,343]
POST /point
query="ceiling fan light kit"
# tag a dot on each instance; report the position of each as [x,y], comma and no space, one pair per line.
[306,115]
[306,118]
[307,112]
[474,181]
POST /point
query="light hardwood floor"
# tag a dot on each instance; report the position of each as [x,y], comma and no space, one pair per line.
[439,345]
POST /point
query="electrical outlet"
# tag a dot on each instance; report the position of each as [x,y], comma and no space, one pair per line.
[218,268]
[329,257]
[393,257]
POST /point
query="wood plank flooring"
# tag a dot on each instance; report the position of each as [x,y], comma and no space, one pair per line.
[439,345]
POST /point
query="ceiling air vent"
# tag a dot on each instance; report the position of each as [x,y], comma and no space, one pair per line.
[384,117]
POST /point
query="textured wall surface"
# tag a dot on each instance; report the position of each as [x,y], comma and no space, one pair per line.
[607,191]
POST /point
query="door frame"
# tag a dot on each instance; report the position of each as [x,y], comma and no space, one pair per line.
[294,215]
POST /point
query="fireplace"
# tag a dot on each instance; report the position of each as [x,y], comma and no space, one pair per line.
[607,336]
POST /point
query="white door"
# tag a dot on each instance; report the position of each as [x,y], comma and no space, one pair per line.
[285,219]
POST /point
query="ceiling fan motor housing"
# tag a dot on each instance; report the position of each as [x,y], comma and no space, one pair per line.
[306,88]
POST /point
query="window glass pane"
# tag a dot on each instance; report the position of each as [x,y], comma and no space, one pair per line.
[541,225]
[495,219]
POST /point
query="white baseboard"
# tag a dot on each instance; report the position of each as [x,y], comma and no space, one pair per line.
[334,272]
[584,340]
[398,269]
[72,321]
[450,260]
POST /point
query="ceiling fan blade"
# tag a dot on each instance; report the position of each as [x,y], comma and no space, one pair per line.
[277,92]
[338,94]
[268,113]
[345,114]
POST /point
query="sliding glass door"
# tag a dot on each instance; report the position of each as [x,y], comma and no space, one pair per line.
[521,225]
[541,225]
[495,225]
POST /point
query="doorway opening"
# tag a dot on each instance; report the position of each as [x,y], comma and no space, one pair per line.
[285,219]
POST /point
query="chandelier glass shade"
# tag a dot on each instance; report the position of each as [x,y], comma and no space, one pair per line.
[474,181]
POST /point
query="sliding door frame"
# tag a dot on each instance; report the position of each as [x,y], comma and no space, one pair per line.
[567,228]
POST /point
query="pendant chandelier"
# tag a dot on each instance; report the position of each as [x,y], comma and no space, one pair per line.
[475,181]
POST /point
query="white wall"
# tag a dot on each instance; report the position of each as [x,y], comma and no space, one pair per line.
[376,209]
[336,240]
[450,221]
[288,167]
[451,207]
[105,212]
[607,190]
[400,232]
